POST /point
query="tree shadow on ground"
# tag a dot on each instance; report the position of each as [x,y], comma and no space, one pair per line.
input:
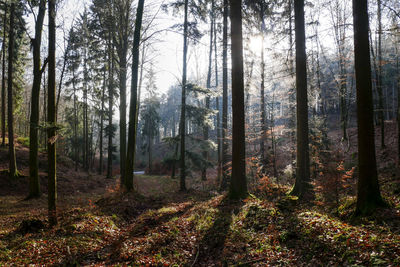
[210,248]
[141,216]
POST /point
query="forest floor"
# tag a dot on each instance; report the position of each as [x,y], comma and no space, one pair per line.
[159,226]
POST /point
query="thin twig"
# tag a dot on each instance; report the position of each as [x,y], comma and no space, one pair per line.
[197,255]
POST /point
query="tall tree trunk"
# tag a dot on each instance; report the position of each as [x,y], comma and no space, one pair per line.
[368,193]
[12,161]
[51,143]
[292,91]
[224,181]
[110,105]
[76,146]
[102,118]
[302,187]
[149,151]
[182,127]
[44,118]
[398,100]
[122,113]
[238,186]
[130,158]
[205,131]
[262,92]
[217,107]
[34,186]
[86,163]
[3,82]
[380,77]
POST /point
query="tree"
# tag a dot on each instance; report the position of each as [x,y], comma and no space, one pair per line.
[151,120]
[182,126]
[123,12]
[238,186]
[52,137]
[206,130]
[73,60]
[3,81]
[224,142]
[302,187]
[13,172]
[368,193]
[130,158]
[34,186]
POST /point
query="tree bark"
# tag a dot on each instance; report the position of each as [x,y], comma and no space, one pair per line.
[51,142]
[302,187]
[110,104]
[262,91]
[34,186]
[3,83]
[102,118]
[182,127]
[205,131]
[217,105]
[130,158]
[224,181]
[368,193]
[12,161]
[380,77]
[238,186]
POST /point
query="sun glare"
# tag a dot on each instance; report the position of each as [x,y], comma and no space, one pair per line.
[255,44]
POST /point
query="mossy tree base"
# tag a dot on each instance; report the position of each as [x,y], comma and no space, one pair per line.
[15,175]
[369,207]
[303,192]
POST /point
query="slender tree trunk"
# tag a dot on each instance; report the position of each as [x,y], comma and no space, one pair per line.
[217,105]
[3,82]
[44,133]
[224,181]
[380,77]
[86,108]
[302,187]
[102,118]
[34,186]
[150,140]
[122,113]
[76,146]
[205,132]
[12,161]
[52,182]
[238,186]
[60,82]
[130,159]
[398,100]
[182,128]
[110,105]
[262,92]
[368,193]
[292,91]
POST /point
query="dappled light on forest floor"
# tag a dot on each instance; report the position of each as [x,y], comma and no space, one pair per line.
[192,228]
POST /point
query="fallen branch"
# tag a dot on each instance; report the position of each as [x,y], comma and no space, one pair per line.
[197,255]
[250,262]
